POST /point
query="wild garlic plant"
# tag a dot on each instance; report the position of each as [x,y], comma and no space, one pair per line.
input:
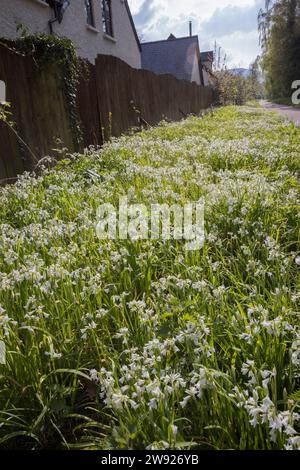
[119,344]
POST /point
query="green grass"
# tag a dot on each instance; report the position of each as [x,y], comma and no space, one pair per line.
[134,345]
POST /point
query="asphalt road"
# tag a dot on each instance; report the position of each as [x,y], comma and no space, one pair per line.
[293,114]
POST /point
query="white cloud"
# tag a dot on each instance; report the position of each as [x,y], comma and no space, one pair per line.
[242,48]
[231,22]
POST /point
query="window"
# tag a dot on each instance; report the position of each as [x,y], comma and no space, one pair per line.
[89,12]
[107,18]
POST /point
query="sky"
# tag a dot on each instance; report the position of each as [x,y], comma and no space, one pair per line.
[232,23]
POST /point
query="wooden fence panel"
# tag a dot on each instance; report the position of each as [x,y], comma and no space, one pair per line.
[115,85]
[88,108]
[107,94]
[39,112]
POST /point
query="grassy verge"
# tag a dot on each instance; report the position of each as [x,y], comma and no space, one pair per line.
[286,101]
[133,345]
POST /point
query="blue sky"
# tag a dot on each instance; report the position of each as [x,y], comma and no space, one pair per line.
[232,23]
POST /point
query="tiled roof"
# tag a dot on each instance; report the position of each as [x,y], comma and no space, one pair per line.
[173,56]
[207,56]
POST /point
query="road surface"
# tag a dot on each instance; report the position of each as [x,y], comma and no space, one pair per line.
[293,114]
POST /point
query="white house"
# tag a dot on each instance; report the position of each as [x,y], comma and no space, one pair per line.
[94,26]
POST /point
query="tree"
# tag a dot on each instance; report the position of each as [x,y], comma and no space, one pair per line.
[254,82]
[220,58]
[279,27]
[234,88]
[230,88]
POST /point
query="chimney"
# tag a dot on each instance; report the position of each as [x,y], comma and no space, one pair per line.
[191,28]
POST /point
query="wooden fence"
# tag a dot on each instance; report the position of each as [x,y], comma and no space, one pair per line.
[111,90]
[109,97]
[39,112]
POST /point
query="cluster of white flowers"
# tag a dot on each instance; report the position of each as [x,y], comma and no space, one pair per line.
[281,424]
[171,340]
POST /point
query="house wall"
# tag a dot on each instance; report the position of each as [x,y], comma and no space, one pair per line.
[208,81]
[196,72]
[205,77]
[209,65]
[89,41]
